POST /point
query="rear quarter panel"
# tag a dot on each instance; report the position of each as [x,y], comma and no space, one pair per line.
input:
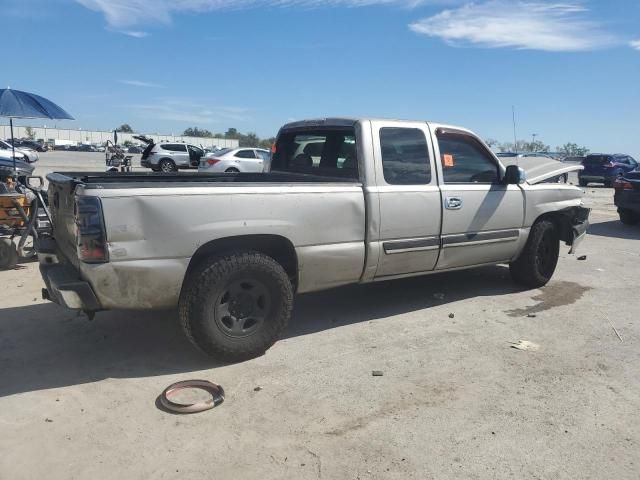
[153,233]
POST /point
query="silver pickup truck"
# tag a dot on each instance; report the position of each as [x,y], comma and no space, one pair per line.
[345,201]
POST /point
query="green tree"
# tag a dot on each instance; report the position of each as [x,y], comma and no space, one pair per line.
[232,133]
[125,128]
[266,143]
[197,132]
[31,134]
[573,150]
[249,140]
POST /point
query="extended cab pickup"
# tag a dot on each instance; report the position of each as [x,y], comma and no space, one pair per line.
[345,201]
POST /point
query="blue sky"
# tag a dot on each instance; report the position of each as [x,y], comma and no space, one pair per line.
[571,68]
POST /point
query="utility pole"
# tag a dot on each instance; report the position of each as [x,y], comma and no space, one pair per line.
[533,140]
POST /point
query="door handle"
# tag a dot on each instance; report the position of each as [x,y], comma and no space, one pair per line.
[453,203]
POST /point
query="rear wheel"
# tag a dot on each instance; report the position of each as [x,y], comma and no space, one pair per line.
[583,183]
[235,306]
[232,170]
[537,262]
[167,165]
[628,217]
[8,254]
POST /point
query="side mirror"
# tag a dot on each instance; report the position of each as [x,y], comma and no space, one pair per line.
[514,175]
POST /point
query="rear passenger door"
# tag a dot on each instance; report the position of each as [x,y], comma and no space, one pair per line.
[247,161]
[482,217]
[409,198]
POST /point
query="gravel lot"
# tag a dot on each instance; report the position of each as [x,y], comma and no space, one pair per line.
[77,398]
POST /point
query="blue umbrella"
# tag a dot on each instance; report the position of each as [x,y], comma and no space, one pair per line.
[17,104]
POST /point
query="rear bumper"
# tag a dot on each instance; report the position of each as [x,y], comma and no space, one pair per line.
[65,287]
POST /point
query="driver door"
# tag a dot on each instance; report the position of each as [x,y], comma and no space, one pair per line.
[482,218]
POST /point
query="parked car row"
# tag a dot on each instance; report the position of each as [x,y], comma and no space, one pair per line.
[34,145]
[172,156]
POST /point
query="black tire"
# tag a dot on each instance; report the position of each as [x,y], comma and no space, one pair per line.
[232,170]
[629,217]
[235,306]
[582,183]
[8,254]
[167,165]
[537,262]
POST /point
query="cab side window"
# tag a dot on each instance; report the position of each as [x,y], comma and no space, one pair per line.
[405,156]
[465,160]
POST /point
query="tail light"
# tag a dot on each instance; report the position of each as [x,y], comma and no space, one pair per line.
[212,161]
[622,184]
[273,148]
[91,238]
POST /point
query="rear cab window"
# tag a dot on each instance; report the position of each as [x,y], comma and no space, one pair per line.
[323,151]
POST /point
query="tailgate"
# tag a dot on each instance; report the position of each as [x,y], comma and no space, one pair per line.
[62,206]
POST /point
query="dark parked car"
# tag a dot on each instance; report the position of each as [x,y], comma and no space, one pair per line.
[135,149]
[627,197]
[87,148]
[602,168]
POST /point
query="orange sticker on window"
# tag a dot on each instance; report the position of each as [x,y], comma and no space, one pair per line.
[447,160]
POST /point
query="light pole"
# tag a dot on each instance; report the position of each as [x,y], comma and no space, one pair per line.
[533,141]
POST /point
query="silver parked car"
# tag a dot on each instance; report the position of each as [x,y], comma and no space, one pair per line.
[26,154]
[235,160]
[170,156]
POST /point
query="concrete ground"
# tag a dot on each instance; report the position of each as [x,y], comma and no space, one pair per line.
[77,398]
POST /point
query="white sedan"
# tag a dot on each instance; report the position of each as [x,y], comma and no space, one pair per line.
[26,154]
[235,160]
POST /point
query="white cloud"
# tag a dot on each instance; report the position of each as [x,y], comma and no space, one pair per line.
[138,83]
[188,111]
[635,44]
[534,25]
[121,15]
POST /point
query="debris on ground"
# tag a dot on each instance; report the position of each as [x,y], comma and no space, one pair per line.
[531,315]
[216,392]
[526,345]
[48,420]
[377,373]
[257,389]
[451,315]
[582,257]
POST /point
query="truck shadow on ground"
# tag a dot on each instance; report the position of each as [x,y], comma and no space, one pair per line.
[615,229]
[44,346]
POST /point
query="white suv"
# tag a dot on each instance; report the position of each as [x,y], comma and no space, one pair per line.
[170,156]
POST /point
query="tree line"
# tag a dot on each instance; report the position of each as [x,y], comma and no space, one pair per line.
[569,149]
[244,139]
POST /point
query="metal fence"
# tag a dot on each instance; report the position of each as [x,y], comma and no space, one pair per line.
[96,137]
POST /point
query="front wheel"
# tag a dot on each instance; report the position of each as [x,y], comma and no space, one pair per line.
[537,262]
[235,306]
